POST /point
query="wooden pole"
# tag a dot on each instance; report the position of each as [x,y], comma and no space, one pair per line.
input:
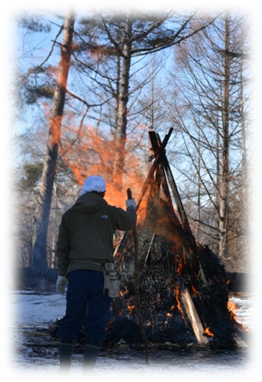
[149,248]
[193,317]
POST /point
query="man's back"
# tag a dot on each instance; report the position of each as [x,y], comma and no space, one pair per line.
[86,232]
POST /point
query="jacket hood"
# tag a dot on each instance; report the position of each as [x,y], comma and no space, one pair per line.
[89,203]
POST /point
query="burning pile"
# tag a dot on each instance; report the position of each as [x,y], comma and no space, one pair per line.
[172,288]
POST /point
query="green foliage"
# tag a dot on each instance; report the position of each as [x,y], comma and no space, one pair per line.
[33,93]
[32,174]
[30,16]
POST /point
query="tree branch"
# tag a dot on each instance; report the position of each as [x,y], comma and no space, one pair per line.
[86,103]
[51,51]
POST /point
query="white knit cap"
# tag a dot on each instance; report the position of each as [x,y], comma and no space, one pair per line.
[93,183]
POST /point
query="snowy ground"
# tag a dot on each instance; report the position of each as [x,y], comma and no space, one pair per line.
[36,311]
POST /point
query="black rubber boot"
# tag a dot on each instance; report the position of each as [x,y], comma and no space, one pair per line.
[65,353]
[92,348]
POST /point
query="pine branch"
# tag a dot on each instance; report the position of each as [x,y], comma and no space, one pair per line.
[164,43]
[153,27]
[112,40]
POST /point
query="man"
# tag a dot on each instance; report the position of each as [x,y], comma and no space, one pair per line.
[85,243]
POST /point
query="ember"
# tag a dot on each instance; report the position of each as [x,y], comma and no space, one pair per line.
[182,286]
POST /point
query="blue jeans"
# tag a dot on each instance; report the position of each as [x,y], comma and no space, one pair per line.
[85,287]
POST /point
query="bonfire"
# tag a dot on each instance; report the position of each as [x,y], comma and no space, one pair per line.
[173,289]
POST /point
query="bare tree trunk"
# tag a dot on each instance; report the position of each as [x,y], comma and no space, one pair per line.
[120,139]
[245,181]
[118,76]
[41,219]
[218,179]
[198,189]
[223,211]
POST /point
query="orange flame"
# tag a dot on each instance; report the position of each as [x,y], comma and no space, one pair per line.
[87,152]
[208,332]
[130,308]
[194,291]
[180,265]
[232,308]
[177,292]
[232,305]
[122,294]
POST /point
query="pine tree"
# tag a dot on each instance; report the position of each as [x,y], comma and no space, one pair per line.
[126,36]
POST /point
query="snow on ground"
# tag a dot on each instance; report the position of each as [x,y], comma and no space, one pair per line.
[38,310]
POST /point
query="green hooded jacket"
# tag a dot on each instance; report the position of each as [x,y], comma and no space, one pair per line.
[85,237]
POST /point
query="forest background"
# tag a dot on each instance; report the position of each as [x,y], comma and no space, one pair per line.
[168,88]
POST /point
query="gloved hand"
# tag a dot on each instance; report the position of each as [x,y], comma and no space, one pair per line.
[61,283]
[131,203]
